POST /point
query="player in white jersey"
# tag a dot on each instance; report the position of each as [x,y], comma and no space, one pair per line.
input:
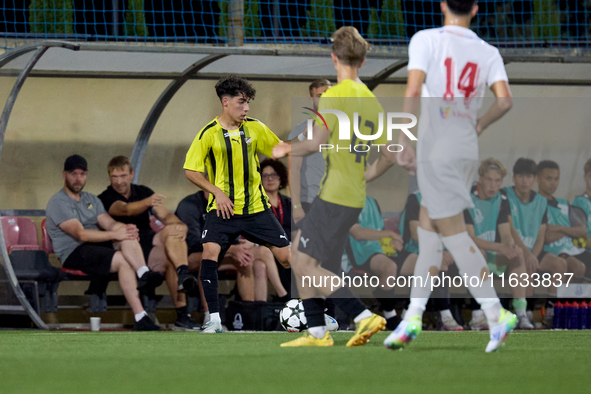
[449,68]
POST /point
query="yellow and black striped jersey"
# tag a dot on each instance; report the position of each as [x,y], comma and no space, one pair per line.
[232,163]
[343,182]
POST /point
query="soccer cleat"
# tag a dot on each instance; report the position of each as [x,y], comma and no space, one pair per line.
[478,323]
[523,323]
[145,324]
[187,282]
[330,323]
[149,281]
[366,328]
[212,327]
[406,331]
[499,332]
[309,340]
[184,322]
[449,324]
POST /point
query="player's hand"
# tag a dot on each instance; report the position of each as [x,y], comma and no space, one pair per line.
[281,149]
[446,261]
[224,205]
[245,253]
[407,158]
[128,232]
[298,214]
[397,241]
[531,263]
[509,251]
[155,199]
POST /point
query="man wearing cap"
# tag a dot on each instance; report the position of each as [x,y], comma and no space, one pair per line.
[86,238]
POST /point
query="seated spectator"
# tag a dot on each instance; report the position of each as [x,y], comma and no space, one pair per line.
[166,251]
[584,202]
[488,225]
[366,254]
[274,178]
[74,222]
[240,256]
[563,224]
[529,218]
[409,223]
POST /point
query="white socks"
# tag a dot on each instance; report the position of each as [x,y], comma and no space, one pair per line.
[446,314]
[389,314]
[215,317]
[318,332]
[139,316]
[363,315]
[206,317]
[471,262]
[142,271]
[430,255]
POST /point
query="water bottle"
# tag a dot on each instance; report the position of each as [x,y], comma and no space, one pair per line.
[566,311]
[573,321]
[558,311]
[583,312]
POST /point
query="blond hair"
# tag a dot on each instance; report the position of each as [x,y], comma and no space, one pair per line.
[491,164]
[349,46]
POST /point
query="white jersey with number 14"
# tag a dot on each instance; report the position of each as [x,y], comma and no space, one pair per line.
[458,67]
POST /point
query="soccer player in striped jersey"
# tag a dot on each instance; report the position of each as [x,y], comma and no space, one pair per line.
[323,232]
[228,146]
[452,67]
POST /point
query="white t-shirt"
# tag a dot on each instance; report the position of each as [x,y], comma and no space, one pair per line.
[458,65]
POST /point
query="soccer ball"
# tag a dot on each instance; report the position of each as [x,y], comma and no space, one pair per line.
[292,316]
[293,319]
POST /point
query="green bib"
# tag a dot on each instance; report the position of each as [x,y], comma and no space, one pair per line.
[369,217]
[527,217]
[559,216]
[584,202]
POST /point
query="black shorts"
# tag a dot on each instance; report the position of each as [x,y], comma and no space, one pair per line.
[147,242]
[541,255]
[197,248]
[261,228]
[93,259]
[400,257]
[325,231]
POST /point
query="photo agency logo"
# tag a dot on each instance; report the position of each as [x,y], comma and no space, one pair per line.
[360,142]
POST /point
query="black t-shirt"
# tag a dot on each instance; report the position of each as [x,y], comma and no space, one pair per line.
[138,193]
[192,211]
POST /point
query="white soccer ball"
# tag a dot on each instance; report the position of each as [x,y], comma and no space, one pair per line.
[292,316]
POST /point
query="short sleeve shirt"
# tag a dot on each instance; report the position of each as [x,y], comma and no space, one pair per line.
[138,193]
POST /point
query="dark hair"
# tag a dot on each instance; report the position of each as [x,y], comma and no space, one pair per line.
[587,167]
[279,168]
[460,7]
[525,166]
[318,83]
[547,164]
[234,86]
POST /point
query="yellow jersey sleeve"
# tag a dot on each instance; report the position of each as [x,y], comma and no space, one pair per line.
[197,154]
[266,139]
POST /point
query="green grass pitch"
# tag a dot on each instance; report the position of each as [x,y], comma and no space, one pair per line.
[186,362]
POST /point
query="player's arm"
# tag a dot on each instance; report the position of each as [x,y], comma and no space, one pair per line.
[223,202]
[412,105]
[537,249]
[309,146]
[121,208]
[74,228]
[386,160]
[500,107]
[369,234]
[556,232]
[413,225]
[295,191]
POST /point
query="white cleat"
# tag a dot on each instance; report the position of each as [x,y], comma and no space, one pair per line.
[524,323]
[499,332]
[212,327]
[449,324]
[331,323]
[479,323]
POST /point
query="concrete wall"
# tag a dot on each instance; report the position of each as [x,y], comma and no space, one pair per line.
[55,117]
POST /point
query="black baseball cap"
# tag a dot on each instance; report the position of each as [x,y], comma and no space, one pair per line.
[75,162]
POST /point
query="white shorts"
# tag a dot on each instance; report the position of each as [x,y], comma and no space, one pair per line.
[445,186]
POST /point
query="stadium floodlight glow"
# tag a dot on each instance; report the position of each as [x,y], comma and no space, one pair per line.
[345,124]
